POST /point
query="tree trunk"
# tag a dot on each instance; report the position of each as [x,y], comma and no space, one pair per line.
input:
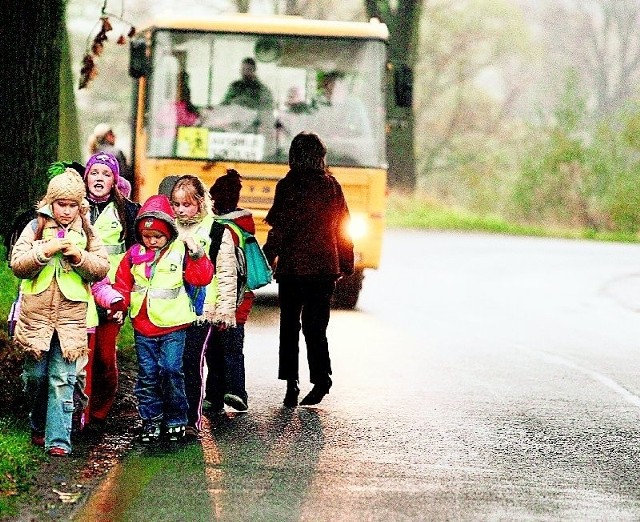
[243,6]
[69,147]
[403,23]
[30,79]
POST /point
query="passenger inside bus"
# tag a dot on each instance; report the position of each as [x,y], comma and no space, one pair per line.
[338,110]
[187,113]
[248,91]
[295,102]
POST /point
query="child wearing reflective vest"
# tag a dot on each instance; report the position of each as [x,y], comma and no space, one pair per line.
[57,256]
[151,278]
[113,216]
[192,207]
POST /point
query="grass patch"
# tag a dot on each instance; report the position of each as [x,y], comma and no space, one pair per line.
[18,463]
[19,460]
[421,213]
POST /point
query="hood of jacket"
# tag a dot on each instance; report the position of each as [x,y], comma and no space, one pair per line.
[158,207]
[241,217]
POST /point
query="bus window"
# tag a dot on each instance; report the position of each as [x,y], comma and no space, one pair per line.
[243,109]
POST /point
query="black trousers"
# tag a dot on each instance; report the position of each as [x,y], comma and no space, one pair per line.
[305,303]
[193,367]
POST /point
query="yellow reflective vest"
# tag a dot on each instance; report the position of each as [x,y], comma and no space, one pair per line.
[71,284]
[168,303]
[202,235]
[109,229]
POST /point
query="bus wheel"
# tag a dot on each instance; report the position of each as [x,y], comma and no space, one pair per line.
[348,290]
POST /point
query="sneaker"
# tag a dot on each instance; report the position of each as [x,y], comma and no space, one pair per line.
[57,452]
[235,402]
[175,433]
[150,432]
[37,438]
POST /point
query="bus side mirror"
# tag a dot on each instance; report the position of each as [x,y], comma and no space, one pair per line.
[138,60]
[403,85]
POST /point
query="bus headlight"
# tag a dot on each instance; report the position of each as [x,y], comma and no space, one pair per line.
[358,226]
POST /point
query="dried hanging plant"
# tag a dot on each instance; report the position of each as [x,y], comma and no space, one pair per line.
[88,69]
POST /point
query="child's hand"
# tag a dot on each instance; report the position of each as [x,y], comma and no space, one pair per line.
[52,247]
[117,317]
[191,245]
[71,251]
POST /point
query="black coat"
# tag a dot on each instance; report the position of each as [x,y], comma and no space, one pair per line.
[308,221]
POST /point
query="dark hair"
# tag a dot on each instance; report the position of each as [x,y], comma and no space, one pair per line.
[166,185]
[119,202]
[307,152]
[250,61]
[225,192]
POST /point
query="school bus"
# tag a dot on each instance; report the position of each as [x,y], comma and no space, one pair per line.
[192,115]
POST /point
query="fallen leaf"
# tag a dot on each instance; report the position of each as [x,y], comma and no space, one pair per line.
[67,498]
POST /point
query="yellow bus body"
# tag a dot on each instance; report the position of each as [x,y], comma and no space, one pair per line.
[364,187]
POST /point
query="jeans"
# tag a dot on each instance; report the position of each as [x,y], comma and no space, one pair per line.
[193,365]
[225,365]
[160,386]
[48,384]
[305,302]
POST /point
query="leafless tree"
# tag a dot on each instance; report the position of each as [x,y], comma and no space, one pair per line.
[600,39]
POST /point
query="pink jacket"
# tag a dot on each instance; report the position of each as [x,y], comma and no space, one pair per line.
[104,294]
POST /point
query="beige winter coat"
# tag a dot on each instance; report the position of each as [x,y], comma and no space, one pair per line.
[49,311]
[224,309]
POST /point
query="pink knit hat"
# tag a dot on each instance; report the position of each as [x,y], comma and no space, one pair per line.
[107,159]
[124,187]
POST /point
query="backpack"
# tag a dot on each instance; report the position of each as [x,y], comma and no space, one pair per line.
[251,262]
[197,294]
[19,224]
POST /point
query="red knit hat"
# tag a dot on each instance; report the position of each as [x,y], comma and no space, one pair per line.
[151,223]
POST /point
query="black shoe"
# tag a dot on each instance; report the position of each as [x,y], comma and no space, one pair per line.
[235,402]
[291,397]
[316,394]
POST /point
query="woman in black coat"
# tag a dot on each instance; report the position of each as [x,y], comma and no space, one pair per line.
[309,248]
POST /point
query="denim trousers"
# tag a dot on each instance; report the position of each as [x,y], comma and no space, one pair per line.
[48,384]
[305,302]
[160,385]
[193,364]
[225,365]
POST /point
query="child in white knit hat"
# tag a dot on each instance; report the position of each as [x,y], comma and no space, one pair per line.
[57,256]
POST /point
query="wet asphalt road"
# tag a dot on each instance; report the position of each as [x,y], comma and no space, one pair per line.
[481,378]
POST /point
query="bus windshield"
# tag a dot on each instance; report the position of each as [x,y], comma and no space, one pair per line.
[243,97]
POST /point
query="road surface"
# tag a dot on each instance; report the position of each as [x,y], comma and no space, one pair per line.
[481,378]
